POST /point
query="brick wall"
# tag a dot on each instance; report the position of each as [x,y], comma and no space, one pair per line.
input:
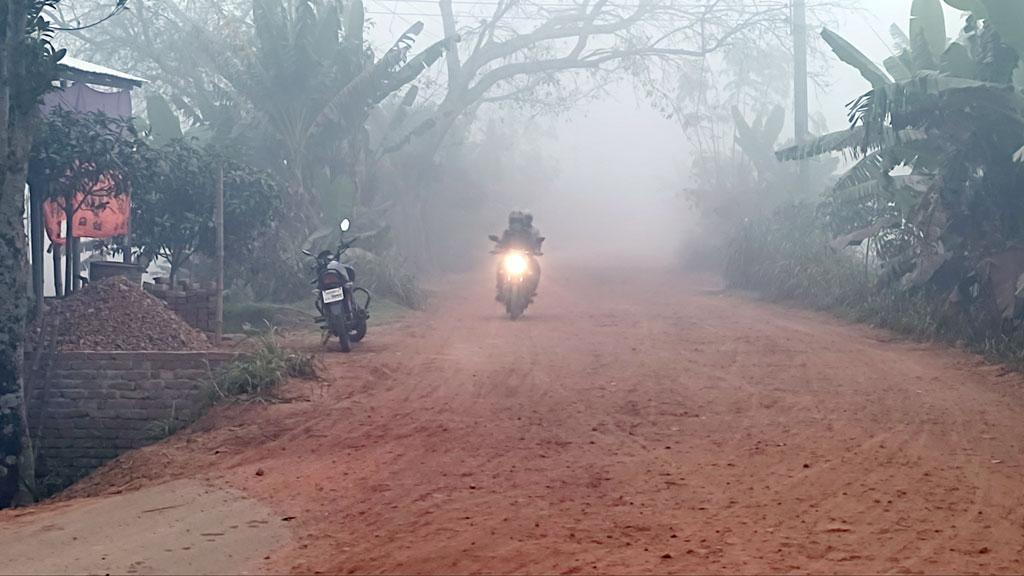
[88,407]
[197,306]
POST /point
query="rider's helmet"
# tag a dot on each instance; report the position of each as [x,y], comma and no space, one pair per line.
[515,218]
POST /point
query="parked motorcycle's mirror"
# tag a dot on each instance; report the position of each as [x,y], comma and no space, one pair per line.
[494,238]
[345,225]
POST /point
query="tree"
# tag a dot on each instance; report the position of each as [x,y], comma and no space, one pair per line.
[84,158]
[935,179]
[734,185]
[174,187]
[291,83]
[295,80]
[507,61]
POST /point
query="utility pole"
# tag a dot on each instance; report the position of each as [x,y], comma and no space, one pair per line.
[800,112]
[219,216]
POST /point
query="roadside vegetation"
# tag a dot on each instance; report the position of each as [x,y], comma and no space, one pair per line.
[263,368]
[922,233]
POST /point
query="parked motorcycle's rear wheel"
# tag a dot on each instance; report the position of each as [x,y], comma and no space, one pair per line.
[358,331]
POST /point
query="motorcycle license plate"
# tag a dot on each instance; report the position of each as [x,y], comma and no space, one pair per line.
[334,295]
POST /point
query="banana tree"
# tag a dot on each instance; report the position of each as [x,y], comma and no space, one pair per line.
[758,140]
[933,145]
[305,84]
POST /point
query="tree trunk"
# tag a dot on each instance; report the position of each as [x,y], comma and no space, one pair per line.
[219,322]
[58,270]
[304,212]
[448,113]
[37,181]
[76,262]
[17,468]
[172,276]
[17,123]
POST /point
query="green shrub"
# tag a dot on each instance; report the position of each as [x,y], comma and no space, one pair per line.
[259,372]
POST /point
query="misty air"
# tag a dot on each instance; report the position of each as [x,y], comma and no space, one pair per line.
[511,286]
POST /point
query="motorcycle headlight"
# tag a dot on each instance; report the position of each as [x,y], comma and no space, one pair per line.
[516,263]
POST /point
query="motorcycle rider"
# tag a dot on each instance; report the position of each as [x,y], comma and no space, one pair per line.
[521,235]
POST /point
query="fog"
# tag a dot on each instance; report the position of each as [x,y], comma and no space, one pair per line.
[616,195]
[622,165]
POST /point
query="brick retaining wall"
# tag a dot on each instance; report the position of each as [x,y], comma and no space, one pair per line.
[88,407]
[197,306]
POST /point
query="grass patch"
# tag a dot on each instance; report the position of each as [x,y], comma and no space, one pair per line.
[265,368]
[243,316]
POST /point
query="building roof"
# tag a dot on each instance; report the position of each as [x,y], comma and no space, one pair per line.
[82,71]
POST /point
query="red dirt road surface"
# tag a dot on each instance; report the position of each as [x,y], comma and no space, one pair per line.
[625,425]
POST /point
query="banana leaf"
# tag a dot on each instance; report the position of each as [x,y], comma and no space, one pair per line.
[851,55]
[928,21]
[355,18]
[976,7]
[899,38]
[956,61]
[1008,18]
[773,126]
[897,69]
[843,140]
[857,236]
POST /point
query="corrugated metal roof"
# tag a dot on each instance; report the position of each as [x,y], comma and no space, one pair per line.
[76,65]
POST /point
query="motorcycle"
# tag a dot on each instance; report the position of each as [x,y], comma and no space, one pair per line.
[518,269]
[341,313]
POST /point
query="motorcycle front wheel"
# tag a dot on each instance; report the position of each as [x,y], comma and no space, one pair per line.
[515,303]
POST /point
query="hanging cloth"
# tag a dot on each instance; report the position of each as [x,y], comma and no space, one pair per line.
[99,214]
[80,97]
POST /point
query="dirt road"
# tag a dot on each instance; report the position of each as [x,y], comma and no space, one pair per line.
[626,425]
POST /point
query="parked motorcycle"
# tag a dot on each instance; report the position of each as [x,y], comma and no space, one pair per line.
[337,297]
[519,275]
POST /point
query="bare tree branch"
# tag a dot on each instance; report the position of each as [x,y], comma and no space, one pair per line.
[587,35]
